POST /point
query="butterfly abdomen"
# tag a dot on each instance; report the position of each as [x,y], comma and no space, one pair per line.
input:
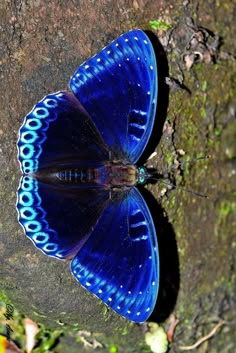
[77,175]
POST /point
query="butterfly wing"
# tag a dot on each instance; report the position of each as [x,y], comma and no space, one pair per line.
[118,88]
[119,262]
[57,131]
[58,220]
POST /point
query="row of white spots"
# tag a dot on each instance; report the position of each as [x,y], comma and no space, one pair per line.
[136,38]
[86,66]
[110,299]
[29,150]
[28,206]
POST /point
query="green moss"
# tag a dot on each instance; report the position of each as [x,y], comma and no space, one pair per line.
[226,207]
[204,86]
[203,113]
[159,25]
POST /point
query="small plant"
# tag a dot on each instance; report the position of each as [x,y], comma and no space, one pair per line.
[157,25]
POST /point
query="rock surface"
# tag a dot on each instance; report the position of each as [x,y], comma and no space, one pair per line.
[42,44]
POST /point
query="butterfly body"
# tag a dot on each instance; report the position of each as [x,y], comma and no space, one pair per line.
[107,175]
[77,198]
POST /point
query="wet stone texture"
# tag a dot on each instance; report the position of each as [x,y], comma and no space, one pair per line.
[42,44]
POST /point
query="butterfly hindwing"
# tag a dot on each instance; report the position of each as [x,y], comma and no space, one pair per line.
[56,219]
[119,262]
[118,88]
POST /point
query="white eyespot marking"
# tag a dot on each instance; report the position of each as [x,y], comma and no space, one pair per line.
[126,40]
[128,312]
[88,284]
[127,59]
[138,313]
[138,58]
[77,75]
[110,299]
[26,198]
[50,247]
[151,67]
[28,136]
[27,213]
[117,44]
[41,112]
[148,309]
[27,179]
[145,42]
[79,276]
[29,166]
[108,52]
[129,292]
[138,84]
[149,257]
[140,266]
[27,186]
[50,103]
[27,151]
[40,237]
[100,291]
[148,93]
[33,226]
[86,67]
[136,38]
[121,286]
[33,124]
[153,283]
[140,292]
[118,307]
[119,65]
[98,60]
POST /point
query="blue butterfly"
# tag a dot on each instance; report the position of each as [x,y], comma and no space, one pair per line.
[77,197]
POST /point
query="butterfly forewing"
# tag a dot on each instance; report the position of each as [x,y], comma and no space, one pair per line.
[118,88]
[59,131]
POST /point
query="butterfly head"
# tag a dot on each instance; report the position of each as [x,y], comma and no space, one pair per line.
[143,175]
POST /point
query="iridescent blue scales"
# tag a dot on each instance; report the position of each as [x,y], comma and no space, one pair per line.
[77,197]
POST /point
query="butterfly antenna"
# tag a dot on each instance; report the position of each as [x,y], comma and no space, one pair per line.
[181,164]
[184,189]
[160,177]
